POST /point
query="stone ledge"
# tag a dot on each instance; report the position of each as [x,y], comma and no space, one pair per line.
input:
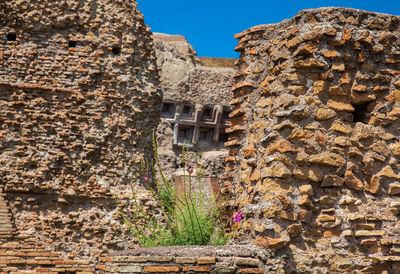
[191,259]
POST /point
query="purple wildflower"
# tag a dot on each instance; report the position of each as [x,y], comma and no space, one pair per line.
[146,179]
[237,216]
[190,169]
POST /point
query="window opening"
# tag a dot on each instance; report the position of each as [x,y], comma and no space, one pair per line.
[205,135]
[116,50]
[187,111]
[11,36]
[360,113]
[71,44]
[167,109]
[207,113]
[185,135]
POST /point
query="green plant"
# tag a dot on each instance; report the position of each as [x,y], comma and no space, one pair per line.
[186,217]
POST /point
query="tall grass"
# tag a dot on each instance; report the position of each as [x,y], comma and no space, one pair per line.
[188,217]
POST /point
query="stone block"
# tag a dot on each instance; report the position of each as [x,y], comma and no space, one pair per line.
[246,261]
[197,268]
[369,233]
[332,180]
[206,260]
[394,189]
[161,269]
[250,270]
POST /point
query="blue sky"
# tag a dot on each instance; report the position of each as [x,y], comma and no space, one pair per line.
[209,25]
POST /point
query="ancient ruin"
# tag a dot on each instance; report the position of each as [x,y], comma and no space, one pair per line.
[79,98]
[306,143]
[195,105]
[314,160]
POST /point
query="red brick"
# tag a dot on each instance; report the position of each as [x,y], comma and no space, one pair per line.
[105,259]
[251,270]
[206,260]
[197,268]
[161,269]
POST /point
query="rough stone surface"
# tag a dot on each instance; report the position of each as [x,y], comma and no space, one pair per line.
[79,98]
[319,103]
[193,259]
[189,85]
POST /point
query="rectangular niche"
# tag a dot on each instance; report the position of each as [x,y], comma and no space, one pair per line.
[187,111]
[207,113]
[206,135]
[168,110]
[185,135]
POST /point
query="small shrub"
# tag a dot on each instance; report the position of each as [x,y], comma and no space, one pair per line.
[188,217]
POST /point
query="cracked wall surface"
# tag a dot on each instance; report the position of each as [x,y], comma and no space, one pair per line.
[314,160]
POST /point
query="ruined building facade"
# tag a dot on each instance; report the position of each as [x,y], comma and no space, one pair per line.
[79,99]
[195,109]
[314,158]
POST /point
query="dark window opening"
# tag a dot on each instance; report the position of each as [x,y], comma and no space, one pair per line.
[360,113]
[205,135]
[207,113]
[71,44]
[116,50]
[187,110]
[225,115]
[185,135]
[11,36]
[167,110]
[223,137]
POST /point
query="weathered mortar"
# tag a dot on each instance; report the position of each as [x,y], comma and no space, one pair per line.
[314,159]
[79,98]
[194,259]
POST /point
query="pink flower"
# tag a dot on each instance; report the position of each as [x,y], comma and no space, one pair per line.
[237,216]
[146,178]
[190,169]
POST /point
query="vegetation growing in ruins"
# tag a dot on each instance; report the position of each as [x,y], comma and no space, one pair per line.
[188,216]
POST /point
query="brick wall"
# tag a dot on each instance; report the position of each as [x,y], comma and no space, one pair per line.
[314,162]
[79,99]
[193,259]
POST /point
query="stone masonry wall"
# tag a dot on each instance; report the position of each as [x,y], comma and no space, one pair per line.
[195,106]
[193,259]
[314,150]
[79,98]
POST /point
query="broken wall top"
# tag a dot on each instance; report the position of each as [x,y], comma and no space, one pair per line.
[182,76]
[314,144]
[322,17]
[49,15]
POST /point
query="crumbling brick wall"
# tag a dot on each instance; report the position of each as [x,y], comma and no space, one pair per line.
[314,159]
[79,99]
